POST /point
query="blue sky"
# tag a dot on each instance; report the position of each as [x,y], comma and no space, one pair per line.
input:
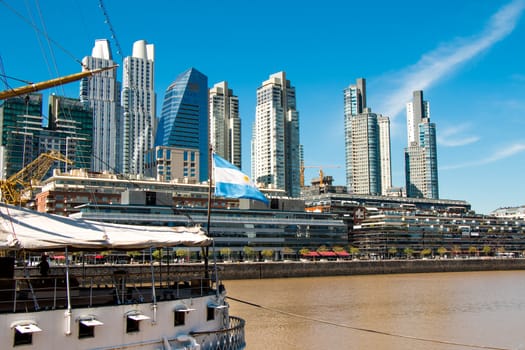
[468,56]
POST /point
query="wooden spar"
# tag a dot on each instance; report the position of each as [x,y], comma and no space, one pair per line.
[50,83]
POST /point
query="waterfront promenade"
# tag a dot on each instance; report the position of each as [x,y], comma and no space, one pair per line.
[289,269]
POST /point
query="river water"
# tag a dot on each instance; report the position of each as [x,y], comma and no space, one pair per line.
[437,311]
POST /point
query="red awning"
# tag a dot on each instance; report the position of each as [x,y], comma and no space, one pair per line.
[342,253]
[328,254]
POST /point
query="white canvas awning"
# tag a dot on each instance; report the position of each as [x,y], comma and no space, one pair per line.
[22,228]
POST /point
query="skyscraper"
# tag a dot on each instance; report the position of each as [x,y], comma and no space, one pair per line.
[421,153]
[354,102]
[139,107]
[20,126]
[102,93]
[384,154]
[71,127]
[184,118]
[367,144]
[275,137]
[225,124]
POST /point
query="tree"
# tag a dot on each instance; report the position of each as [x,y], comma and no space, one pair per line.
[181,253]
[322,249]
[157,254]
[289,253]
[304,251]
[392,251]
[267,254]
[409,252]
[425,252]
[472,250]
[226,252]
[486,250]
[248,251]
[442,251]
[354,251]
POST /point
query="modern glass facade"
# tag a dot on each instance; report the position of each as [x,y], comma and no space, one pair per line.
[20,125]
[184,117]
[367,144]
[71,126]
[421,153]
[235,228]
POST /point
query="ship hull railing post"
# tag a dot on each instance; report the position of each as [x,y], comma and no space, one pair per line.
[153,292]
[68,294]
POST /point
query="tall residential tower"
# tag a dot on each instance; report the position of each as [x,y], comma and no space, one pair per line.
[101,92]
[367,144]
[275,145]
[225,124]
[421,154]
[139,107]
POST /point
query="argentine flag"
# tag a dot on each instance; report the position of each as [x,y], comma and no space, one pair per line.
[230,182]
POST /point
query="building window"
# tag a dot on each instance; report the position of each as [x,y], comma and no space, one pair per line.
[86,328]
[210,314]
[24,334]
[133,322]
[180,318]
[85,331]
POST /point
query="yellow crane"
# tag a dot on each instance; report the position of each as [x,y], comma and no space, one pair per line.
[321,173]
[13,188]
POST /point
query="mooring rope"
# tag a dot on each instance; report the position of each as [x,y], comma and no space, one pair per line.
[368,330]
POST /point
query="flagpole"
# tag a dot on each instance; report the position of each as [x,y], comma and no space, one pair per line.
[210,177]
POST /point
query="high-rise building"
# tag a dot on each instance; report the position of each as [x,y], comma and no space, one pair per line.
[102,93]
[225,124]
[24,138]
[364,153]
[184,120]
[20,125]
[384,154]
[416,111]
[71,129]
[367,144]
[421,153]
[275,149]
[139,107]
[354,102]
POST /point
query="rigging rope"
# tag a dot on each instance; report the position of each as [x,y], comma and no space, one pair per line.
[18,14]
[368,330]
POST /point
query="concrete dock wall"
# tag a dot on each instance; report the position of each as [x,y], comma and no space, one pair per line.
[259,270]
[362,267]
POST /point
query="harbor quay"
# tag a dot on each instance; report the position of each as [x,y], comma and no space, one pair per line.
[290,269]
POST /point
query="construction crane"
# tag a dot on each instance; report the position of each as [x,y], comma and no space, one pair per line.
[321,173]
[13,188]
[50,83]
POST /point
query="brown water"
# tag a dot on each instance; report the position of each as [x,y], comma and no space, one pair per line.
[481,310]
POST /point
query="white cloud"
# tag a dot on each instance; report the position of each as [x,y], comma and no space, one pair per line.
[454,136]
[436,64]
[496,156]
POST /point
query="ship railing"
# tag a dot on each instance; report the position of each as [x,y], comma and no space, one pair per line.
[230,338]
[42,293]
